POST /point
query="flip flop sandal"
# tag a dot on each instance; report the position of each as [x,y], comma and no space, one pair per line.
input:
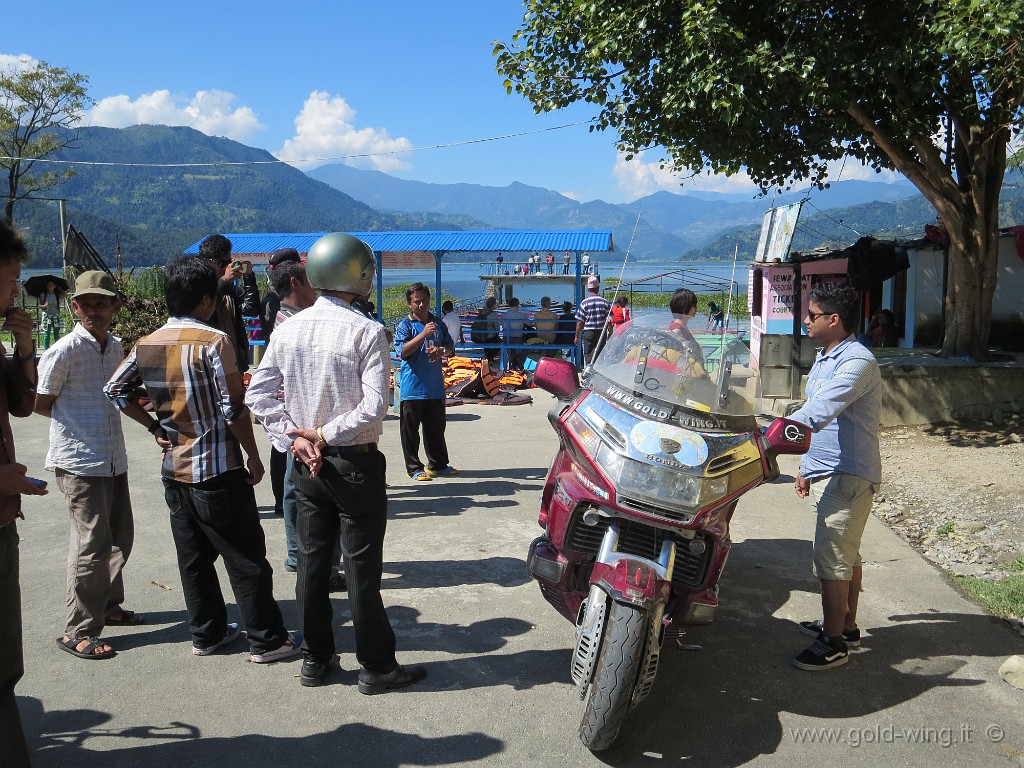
[125,619]
[70,646]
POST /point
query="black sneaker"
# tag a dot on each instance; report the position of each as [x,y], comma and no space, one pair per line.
[822,655]
[814,628]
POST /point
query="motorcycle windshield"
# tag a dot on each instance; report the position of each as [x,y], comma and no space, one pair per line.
[656,365]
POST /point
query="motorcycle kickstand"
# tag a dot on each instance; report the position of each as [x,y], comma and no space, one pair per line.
[681,646]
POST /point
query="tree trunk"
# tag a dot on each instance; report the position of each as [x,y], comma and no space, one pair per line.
[973,253]
[974,246]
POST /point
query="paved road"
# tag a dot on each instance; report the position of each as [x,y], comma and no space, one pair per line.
[922,691]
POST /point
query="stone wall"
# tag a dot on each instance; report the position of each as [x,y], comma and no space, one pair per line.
[930,394]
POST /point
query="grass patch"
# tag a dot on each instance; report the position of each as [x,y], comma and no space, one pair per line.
[946,528]
[1004,597]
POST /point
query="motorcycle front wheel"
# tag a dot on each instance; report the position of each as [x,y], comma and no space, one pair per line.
[618,664]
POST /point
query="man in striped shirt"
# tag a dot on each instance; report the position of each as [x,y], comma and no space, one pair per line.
[590,319]
[190,373]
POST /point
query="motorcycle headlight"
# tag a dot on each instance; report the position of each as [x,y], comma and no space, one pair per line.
[663,486]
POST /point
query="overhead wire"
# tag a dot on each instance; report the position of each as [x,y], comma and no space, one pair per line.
[279,161]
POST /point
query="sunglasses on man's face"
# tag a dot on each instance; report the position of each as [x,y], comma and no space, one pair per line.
[815,315]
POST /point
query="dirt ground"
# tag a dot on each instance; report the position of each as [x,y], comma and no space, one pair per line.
[953,491]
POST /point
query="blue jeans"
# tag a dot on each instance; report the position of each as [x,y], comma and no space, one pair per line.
[291,560]
[218,518]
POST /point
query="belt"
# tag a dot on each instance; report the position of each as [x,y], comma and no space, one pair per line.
[341,450]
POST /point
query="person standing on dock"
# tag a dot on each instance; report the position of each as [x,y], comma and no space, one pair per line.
[586,263]
[565,263]
[551,263]
[452,321]
[590,319]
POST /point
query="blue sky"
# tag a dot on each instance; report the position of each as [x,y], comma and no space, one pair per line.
[334,79]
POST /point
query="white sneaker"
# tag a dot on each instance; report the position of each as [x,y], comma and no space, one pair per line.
[232,632]
[290,648]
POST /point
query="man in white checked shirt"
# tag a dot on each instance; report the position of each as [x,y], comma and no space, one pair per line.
[333,365]
[88,455]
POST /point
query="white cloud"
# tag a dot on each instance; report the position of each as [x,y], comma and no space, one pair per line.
[12,63]
[637,179]
[325,129]
[213,112]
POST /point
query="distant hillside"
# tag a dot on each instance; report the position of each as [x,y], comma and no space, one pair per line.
[159,211]
[156,212]
[516,206]
[670,224]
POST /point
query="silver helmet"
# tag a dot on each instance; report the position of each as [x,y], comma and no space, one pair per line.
[340,262]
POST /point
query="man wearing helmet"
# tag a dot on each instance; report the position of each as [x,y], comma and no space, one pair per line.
[333,364]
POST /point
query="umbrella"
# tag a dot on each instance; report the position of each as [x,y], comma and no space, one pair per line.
[36,285]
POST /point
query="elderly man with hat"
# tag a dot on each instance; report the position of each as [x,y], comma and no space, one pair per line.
[87,454]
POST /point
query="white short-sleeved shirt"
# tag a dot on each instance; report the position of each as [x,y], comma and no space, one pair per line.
[85,427]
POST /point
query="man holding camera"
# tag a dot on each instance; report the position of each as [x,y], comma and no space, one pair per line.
[238,294]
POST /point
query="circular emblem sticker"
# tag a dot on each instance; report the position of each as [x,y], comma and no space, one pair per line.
[669,442]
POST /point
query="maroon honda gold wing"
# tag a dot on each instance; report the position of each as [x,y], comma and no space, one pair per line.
[655,450]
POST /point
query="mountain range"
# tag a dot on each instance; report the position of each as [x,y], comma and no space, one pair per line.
[159,206]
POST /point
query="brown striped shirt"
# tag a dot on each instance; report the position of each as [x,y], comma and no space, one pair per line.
[190,373]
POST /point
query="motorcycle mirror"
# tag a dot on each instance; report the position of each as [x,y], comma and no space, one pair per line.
[787,436]
[559,377]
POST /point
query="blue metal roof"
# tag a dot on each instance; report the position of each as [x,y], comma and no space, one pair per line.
[481,240]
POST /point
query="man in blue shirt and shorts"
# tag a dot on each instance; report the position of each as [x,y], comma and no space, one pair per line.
[842,470]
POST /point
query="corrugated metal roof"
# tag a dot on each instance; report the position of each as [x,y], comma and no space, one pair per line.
[481,240]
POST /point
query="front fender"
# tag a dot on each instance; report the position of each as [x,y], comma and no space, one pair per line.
[631,581]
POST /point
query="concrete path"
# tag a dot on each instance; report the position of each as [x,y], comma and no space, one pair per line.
[922,691]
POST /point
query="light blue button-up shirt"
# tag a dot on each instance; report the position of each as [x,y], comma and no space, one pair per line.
[844,401]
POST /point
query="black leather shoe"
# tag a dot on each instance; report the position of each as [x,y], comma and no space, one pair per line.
[372,683]
[338,583]
[313,672]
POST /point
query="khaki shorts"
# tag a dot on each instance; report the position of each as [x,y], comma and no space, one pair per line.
[842,504]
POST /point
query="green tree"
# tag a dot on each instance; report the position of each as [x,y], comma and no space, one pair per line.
[36,100]
[930,88]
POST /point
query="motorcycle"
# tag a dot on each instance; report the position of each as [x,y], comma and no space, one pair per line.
[655,449]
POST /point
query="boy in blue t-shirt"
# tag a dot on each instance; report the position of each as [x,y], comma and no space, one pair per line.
[421,340]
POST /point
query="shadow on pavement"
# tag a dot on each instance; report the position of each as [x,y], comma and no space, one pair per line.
[721,706]
[77,737]
[428,574]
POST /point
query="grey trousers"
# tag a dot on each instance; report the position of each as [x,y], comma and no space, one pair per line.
[101,535]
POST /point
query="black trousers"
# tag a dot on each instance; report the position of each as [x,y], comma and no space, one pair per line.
[591,346]
[278,465]
[13,748]
[429,414]
[347,496]
[218,517]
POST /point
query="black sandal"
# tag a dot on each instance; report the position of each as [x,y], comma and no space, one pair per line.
[71,646]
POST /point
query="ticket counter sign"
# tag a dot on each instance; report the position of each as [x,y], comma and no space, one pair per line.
[407,260]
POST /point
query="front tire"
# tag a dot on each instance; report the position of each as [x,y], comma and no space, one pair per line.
[611,689]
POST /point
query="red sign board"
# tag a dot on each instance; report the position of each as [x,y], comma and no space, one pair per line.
[407,260]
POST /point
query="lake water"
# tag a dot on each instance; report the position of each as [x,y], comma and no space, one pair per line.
[463,281]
